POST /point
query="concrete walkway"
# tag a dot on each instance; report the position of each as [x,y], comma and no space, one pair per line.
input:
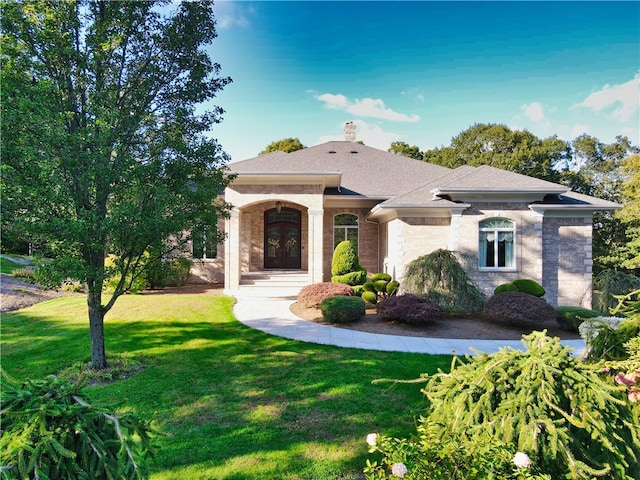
[273,316]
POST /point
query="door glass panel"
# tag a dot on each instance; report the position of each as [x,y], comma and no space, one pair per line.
[273,242]
[292,248]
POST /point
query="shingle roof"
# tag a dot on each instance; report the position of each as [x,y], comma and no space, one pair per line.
[406,182]
[365,170]
[490,179]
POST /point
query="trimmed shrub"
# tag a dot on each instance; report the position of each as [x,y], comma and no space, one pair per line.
[345,259]
[520,309]
[505,287]
[358,290]
[312,295]
[370,297]
[531,287]
[381,276]
[409,309]
[439,277]
[342,309]
[352,278]
[570,318]
[523,285]
[392,288]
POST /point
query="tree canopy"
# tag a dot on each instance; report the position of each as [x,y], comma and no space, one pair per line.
[402,148]
[103,151]
[285,145]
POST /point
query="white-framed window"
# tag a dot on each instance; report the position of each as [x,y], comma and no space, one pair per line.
[345,227]
[496,249]
[204,246]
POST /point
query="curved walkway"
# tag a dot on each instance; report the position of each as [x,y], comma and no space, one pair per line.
[274,317]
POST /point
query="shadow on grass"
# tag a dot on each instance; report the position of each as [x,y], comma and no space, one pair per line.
[233,402]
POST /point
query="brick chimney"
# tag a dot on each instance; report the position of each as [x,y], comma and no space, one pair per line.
[350,132]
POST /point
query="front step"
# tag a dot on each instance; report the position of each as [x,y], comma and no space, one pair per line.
[273,283]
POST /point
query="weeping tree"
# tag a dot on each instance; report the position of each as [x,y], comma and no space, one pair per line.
[103,149]
[440,278]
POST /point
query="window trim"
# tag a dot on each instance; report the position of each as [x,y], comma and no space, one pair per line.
[204,257]
[497,231]
[346,228]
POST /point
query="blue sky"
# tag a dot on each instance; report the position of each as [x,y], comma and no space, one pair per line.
[422,72]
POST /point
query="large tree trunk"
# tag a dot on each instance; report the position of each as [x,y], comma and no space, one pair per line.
[96,329]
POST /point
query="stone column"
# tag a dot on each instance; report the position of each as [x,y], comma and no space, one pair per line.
[315,248]
[232,251]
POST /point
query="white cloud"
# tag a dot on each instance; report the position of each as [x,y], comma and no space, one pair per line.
[371,135]
[625,97]
[534,112]
[231,14]
[366,107]
[337,102]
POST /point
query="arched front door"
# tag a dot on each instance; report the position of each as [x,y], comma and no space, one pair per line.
[282,238]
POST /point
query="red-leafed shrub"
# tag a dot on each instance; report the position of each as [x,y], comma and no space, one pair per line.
[311,296]
[518,308]
[410,309]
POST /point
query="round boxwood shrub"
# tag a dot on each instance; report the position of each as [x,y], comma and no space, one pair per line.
[523,285]
[409,309]
[312,295]
[570,318]
[342,309]
[520,309]
[370,297]
[392,288]
[531,287]
[505,287]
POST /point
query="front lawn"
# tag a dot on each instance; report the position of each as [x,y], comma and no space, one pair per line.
[232,402]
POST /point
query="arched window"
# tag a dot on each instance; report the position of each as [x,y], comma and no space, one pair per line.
[497,243]
[345,227]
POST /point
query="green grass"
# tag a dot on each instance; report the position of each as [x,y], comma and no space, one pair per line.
[7,266]
[231,402]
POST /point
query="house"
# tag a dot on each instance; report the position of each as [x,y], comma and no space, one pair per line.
[290,210]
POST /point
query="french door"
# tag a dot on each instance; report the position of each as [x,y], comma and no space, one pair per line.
[282,239]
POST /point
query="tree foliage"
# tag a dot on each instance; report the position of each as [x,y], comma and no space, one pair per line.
[402,148]
[499,146]
[630,212]
[115,159]
[287,145]
[51,431]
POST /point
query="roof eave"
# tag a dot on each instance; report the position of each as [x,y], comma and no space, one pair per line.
[326,179]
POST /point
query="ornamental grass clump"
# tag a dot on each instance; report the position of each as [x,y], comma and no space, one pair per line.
[51,431]
[569,418]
